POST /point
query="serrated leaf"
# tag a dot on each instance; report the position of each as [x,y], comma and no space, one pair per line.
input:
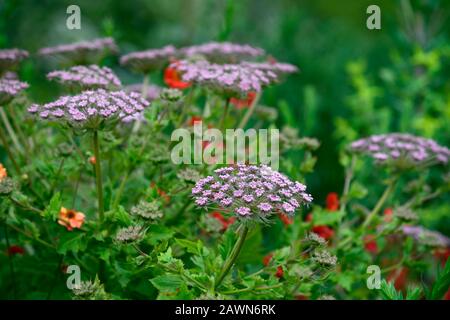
[72,241]
[53,208]
[167,283]
[442,283]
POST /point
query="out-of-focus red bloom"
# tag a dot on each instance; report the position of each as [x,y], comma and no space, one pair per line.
[92,160]
[388,214]
[301,297]
[224,221]
[173,80]
[370,245]
[285,219]
[442,255]
[244,103]
[324,231]
[279,274]
[447,295]
[267,259]
[13,250]
[194,119]
[160,192]
[399,277]
[332,201]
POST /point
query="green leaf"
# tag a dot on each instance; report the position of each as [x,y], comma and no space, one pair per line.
[167,283]
[322,217]
[53,208]
[157,233]
[357,191]
[389,292]
[413,293]
[72,241]
[442,283]
[191,246]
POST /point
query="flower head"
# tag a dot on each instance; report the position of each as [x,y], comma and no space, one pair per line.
[86,77]
[332,201]
[84,52]
[250,191]
[92,109]
[129,234]
[233,80]
[147,210]
[403,151]
[149,92]
[279,68]
[148,60]
[426,237]
[324,258]
[222,51]
[10,58]
[70,218]
[9,89]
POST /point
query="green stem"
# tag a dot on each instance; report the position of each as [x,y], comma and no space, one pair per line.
[389,189]
[8,151]
[98,177]
[250,111]
[233,256]
[347,183]
[58,173]
[120,191]
[10,130]
[225,113]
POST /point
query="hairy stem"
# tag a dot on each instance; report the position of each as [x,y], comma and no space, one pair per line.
[233,256]
[98,177]
[387,192]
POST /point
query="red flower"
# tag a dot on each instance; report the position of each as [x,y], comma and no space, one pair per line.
[447,294]
[279,273]
[370,245]
[301,297]
[285,219]
[332,201]
[388,214]
[399,276]
[13,250]
[173,80]
[267,259]
[195,119]
[324,231]
[442,255]
[224,221]
[244,103]
[92,160]
[160,192]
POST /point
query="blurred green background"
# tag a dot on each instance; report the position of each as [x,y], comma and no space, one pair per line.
[353,81]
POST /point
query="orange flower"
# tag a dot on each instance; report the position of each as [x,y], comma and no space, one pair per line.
[244,103]
[285,219]
[92,160]
[172,79]
[70,218]
[388,214]
[3,172]
[332,201]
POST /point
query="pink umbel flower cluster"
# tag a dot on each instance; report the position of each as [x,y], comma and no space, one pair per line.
[228,79]
[222,51]
[150,92]
[402,150]
[250,191]
[279,68]
[87,77]
[83,52]
[148,60]
[10,58]
[92,109]
[9,89]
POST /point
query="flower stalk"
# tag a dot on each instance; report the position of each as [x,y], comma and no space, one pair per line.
[98,176]
[233,256]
